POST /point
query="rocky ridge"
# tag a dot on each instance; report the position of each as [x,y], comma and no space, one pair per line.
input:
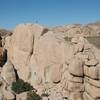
[92,29]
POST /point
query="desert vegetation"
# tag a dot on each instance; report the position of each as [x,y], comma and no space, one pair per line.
[20,86]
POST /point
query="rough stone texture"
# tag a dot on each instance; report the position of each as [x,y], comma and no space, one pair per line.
[56,73]
[8,73]
[7,42]
[92,90]
[75,86]
[72,78]
[86,96]
[91,72]
[93,82]
[22,47]
[21,96]
[8,95]
[75,96]
[5,94]
[91,62]
[76,64]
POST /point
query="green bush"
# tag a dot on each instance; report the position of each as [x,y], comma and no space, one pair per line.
[20,86]
[31,95]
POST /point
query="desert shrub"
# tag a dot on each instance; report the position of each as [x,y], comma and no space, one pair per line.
[20,86]
[31,95]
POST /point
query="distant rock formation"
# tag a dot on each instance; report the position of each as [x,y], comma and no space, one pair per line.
[92,29]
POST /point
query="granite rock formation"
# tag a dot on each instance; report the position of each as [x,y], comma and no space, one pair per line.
[62,68]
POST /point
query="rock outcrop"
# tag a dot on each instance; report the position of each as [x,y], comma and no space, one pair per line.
[62,69]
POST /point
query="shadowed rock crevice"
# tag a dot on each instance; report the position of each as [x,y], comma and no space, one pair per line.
[44,31]
[17,77]
[3,56]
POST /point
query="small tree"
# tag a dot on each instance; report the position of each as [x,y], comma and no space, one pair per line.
[20,86]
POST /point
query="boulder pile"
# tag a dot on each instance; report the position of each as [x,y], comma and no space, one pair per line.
[83,72]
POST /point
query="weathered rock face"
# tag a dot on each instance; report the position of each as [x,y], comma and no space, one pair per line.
[5,93]
[21,96]
[60,68]
[22,47]
[28,55]
[89,88]
[76,64]
[8,73]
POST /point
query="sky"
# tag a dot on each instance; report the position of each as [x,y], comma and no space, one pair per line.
[48,12]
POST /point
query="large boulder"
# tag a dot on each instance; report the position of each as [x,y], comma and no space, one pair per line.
[22,47]
[34,51]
